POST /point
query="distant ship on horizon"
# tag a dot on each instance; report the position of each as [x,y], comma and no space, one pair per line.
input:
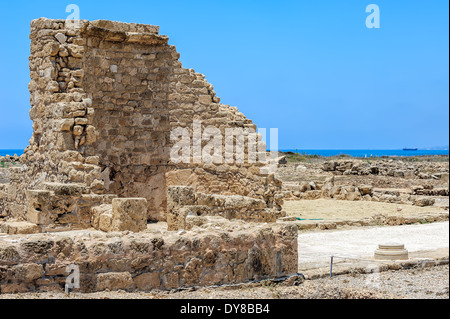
[410,149]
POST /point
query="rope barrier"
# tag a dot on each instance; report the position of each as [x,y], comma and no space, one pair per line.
[278,279]
[379,261]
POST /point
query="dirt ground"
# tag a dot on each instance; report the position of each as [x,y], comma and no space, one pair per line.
[420,283]
[329,209]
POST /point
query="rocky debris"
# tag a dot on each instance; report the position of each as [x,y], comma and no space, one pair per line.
[423,201]
[429,190]
[405,280]
[380,180]
[366,193]
[9,159]
[282,160]
[366,190]
[393,168]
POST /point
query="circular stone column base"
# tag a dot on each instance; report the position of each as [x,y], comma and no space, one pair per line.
[390,251]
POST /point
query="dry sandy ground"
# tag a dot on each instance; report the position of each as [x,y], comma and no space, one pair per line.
[330,209]
[420,283]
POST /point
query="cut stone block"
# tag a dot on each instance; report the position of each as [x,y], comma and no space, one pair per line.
[38,210]
[105,222]
[180,195]
[129,214]
[190,211]
[114,281]
[147,281]
[65,189]
[15,228]
[97,212]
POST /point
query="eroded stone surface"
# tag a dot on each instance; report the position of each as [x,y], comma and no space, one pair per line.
[216,252]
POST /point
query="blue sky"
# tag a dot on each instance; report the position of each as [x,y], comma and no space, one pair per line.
[312,69]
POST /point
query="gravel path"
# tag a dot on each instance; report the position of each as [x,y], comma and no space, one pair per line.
[426,283]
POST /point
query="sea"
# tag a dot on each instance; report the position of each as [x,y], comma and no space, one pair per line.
[11,152]
[326,153]
[369,153]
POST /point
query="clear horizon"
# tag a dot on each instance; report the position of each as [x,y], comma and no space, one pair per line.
[311,69]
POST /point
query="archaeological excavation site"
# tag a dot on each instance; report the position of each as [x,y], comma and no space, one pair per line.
[96,193]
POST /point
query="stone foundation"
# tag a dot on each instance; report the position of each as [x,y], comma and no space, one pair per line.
[218,252]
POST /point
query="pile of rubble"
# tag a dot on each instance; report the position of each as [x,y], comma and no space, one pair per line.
[394,168]
[418,183]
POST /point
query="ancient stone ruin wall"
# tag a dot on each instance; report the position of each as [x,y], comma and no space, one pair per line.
[145,261]
[105,97]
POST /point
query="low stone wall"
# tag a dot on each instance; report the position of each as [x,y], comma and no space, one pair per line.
[419,195]
[376,220]
[390,167]
[219,252]
[183,202]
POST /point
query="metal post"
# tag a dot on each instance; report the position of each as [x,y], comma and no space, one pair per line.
[331,267]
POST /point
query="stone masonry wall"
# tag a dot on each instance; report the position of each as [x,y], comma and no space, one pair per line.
[104,99]
[145,261]
[186,208]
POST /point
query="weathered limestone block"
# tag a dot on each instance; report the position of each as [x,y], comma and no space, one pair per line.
[423,201]
[14,228]
[26,272]
[129,214]
[71,189]
[190,211]
[105,222]
[229,201]
[39,206]
[147,281]
[366,190]
[114,281]
[178,196]
[191,221]
[99,222]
